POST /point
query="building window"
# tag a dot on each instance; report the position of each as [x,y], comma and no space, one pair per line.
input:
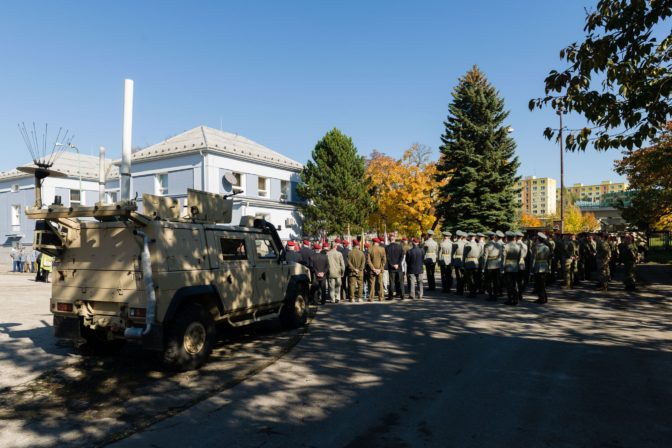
[284,190]
[262,186]
[161,184]
[237,184]
[75,197]
[16,218]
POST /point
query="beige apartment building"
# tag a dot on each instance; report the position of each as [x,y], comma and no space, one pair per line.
[593,193]
[537,196]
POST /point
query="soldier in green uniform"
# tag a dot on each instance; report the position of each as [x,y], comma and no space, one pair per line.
[541,258]
[377,260]
[629,254]
[492,263]
[602,256]
[445,260]
[458,261]
[356,267]
[570,254]
[431,249]
[615,255]
[512,258]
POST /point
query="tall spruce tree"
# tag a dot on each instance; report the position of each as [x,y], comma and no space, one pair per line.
[335,186]
[478,159]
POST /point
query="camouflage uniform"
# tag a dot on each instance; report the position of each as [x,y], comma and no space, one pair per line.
[629,254]
[602,257]
[570,254]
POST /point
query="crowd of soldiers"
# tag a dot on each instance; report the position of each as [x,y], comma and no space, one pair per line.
[491,263]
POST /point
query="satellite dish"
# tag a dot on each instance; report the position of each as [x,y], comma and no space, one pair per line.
[230,178]
[41,173]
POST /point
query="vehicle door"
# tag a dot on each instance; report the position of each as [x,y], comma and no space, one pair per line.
[233,269]
[269,281]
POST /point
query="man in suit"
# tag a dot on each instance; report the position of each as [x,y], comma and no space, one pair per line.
[319,269]
[415,259]
[395,255]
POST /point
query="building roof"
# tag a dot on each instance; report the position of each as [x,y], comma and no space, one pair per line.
[213,140]
[72,165]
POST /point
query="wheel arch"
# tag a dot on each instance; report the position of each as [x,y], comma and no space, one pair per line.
[206,295]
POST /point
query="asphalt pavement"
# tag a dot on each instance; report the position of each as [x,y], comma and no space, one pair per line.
[590,369]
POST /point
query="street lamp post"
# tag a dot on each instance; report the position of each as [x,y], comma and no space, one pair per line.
[562,179]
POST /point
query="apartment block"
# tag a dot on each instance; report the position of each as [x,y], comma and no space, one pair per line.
[595,192]
[537,196]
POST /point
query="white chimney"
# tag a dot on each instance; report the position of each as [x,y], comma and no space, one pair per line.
[125,168]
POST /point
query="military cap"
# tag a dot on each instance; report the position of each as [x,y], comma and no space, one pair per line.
[460,233]
[499,233]
[325,246]
[404,239]
[355,242]
[291,243]
[367,245]
[337,240]
[542,235]
[518,233]
[509,233]
[489,233]
[430,232]
[346,242]
[416,241]
[471,234]
[317,246]
[376,240]
[447,233]
[479,234]
[306,242]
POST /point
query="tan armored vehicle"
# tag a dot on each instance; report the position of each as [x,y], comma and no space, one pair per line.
[165,277]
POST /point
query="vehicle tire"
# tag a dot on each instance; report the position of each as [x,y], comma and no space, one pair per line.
[97,344]
[189,338]
[294,312]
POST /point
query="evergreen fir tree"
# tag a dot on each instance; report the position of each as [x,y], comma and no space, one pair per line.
[478,157]
[335,186]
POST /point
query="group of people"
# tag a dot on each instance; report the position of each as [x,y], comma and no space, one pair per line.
[488,263]
[31,261]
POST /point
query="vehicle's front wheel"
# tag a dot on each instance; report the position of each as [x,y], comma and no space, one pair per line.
[190,338]
[294,312]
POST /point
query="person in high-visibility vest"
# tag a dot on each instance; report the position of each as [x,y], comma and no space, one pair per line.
[47,261]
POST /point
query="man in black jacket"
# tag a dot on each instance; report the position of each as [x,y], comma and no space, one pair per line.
[395,255]
[415,259]
[306,253]
[319,269]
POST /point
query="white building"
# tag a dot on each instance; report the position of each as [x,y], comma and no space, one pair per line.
[199,158]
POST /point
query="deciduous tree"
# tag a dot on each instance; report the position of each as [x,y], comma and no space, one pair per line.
[619,78]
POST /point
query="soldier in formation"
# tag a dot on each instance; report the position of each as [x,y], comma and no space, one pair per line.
[541,259]
[445,262]
[356,267]
[431,249]
[377,261]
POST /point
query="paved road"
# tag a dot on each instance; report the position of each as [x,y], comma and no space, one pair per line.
[589,370]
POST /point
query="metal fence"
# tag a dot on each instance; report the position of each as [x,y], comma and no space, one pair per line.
[660,240]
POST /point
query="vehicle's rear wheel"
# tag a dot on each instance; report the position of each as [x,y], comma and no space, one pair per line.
[294,312]
[97,344]
[189,338]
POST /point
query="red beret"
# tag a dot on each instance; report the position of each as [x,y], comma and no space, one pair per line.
[376,240]
[290,243]
[404,239]
[306,242]
[346,242]
[415,240]
[325,246]
[354,243]
[317,246]
[338,240]
[367,245]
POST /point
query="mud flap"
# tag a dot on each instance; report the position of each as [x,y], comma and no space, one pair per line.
[67,328]
[154,340]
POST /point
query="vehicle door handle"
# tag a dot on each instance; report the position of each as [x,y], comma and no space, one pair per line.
[263,276]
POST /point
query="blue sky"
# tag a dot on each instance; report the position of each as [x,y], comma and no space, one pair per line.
[283,73]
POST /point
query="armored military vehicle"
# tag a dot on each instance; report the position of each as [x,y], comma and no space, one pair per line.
[165,277]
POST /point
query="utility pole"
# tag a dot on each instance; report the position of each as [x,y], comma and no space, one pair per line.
[560,112]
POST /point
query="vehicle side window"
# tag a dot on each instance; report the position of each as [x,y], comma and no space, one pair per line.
[233,249]
[265,249]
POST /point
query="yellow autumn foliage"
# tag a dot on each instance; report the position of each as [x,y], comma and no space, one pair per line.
[404,192]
